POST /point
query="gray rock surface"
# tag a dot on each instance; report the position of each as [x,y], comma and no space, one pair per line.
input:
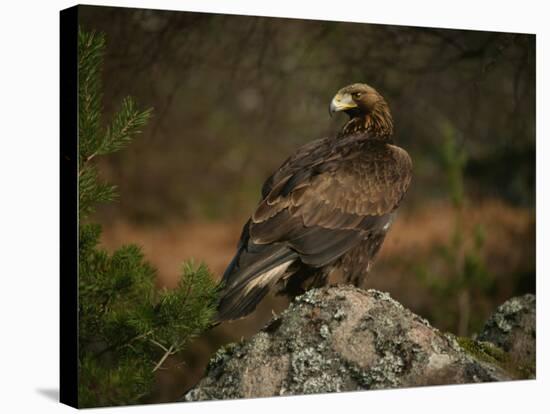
[344,339]
[513,329]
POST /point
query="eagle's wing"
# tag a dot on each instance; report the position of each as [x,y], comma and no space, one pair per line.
[317,206]
[303,158]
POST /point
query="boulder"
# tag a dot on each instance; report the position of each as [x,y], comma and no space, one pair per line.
[344,339]
[512,328]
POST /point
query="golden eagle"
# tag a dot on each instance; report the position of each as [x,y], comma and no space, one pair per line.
[327,208]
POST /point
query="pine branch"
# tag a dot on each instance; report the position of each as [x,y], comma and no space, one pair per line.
[91,48]
[169,351]
[127,123]
[92,191]
[125,324]
[94,140]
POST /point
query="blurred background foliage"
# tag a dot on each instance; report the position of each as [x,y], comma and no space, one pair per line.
[235,95]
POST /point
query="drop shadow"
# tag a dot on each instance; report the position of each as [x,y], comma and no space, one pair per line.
[49,393]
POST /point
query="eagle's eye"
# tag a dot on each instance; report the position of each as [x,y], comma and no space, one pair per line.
[356,95]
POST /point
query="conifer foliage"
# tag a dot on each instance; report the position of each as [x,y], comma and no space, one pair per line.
[127,327]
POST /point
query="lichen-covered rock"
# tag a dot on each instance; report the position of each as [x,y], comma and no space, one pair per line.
[513,329]
[344,339]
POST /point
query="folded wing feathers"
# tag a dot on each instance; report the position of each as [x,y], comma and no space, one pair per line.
[314,209]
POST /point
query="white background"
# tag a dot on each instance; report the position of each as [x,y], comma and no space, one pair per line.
[29,219]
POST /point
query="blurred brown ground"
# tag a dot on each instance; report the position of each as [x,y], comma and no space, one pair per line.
[414,234]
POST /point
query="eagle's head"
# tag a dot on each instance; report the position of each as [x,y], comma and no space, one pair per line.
[365,106]
[356,99]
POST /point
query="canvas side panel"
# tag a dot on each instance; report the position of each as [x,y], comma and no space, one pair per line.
[69,207]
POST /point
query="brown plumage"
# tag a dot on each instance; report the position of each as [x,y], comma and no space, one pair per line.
[326,209]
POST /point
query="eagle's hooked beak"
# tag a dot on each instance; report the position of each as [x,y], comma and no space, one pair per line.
[341,102]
